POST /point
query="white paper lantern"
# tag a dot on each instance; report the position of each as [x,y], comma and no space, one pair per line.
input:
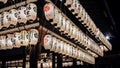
[5,21]
[3,42]
[16,40]
[70,63]
[67,28]
[90,25]
[71,51]
[63,24]
[13,17]
[48,40]
[49,11]
[54,44]
[56,16]
[76,34]
[22,15]
[70,30]
[31,12]
[64,48]
[33,36]
[65,64]
[76,53]
[9,41]
[58,48]
[61,47]
[83,15]
[80,13]
[97,32]
[59,24]
[73,32]
[24,38]
[77,9]
[67,49]
[44,65]
[87,21]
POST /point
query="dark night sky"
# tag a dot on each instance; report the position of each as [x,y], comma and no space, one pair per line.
[114,9]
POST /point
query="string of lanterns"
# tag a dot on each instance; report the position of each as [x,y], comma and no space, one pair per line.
[18,39]
[66,27]
[18,16]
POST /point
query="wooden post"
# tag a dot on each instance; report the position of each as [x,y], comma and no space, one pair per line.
[59,61]
[53,60]
[3,64]
[24,58]
[74,62]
